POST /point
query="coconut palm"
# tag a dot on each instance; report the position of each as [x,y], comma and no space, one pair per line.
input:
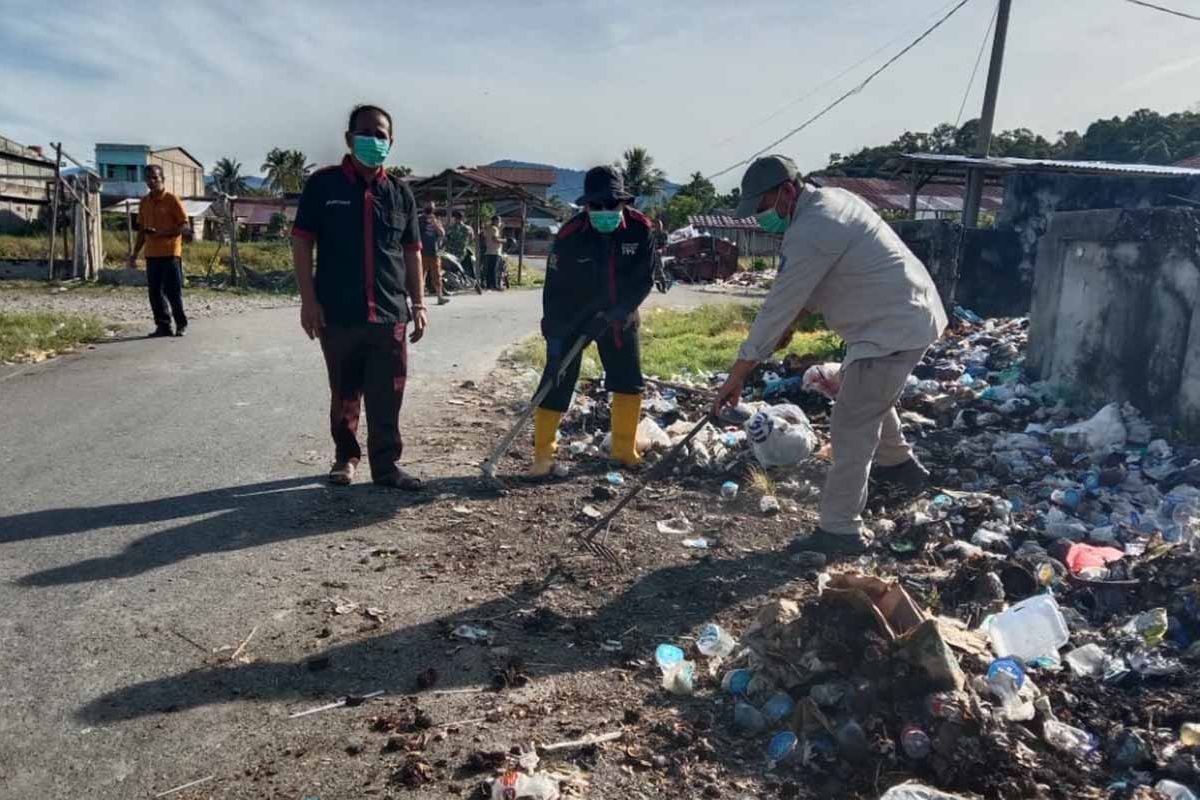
[298,170]
[642,178]
[228,178]
[276,167]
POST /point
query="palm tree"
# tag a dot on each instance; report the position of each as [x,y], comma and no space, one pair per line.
[298,170]
[276,168]
[400,171]
[227,177]
[642,178]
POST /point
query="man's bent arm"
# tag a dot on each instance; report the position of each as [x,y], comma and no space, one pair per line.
[414,277]
[302,261]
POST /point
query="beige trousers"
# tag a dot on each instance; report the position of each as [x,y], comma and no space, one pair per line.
[865,428]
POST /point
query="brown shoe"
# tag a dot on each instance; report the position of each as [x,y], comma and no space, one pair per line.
[342,473]
[400,480]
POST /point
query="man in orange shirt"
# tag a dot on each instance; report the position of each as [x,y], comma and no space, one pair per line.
[162,224]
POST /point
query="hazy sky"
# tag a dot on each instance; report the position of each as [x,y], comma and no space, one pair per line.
[572,84]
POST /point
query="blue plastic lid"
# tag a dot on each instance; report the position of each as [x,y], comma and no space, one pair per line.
[778,707]
[739,681]
[781,746]
[1010,666]
[667,655]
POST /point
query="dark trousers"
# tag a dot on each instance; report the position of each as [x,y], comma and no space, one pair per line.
[164,276]
[368,360]
[622,360]
[493,272]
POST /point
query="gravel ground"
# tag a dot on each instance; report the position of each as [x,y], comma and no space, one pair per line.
[127,304]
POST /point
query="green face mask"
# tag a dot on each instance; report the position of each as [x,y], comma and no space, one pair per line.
[370,151]
[604,221]
[771,222]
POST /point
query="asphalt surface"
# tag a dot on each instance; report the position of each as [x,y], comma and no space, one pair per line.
[154,496]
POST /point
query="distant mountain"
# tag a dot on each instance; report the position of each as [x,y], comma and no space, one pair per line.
[252,181]
[568,184]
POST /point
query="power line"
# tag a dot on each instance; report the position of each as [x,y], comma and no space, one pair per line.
[847,95]
[975,71]
[801,98]
[1164,10]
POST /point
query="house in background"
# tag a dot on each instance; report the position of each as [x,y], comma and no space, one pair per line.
[122,169]
[535,180]
[25,174]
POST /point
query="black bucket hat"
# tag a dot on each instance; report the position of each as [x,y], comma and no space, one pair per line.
[603,185]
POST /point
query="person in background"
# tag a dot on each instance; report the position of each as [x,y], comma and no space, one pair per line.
[363,223]
[433,236]
[458,241]
[493,249]
[162,224]
[598,273]
[841,260]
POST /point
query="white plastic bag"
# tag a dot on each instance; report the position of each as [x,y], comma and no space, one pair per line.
[825,379]
[1102,433]
[781,436]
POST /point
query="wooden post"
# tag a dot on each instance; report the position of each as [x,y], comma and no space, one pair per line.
[54,209]
[912,191]
[521,251]
[129,226]
[235,267]
[449,195]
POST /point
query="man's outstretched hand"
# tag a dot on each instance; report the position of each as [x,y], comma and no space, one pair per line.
[730,393]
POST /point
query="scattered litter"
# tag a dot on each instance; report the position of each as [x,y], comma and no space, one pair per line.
[699,543]
[347,701]
[471,633]
[180,788]
[675,526]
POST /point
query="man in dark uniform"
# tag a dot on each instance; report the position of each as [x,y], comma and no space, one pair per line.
[598,273]
[364,224]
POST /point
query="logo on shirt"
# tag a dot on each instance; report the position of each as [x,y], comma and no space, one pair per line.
[629,248]
[551,262]
[337,203]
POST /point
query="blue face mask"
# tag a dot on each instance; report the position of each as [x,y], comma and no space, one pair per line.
[604,221]
[371,152]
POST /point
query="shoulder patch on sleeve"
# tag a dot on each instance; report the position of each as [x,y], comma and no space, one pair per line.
[639,216]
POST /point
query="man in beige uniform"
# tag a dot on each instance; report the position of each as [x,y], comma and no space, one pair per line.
[841,260]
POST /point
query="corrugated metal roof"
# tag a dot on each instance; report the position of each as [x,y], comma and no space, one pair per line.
[1189,163]
[724,221]
[535,176]
[892,195]
[997,164]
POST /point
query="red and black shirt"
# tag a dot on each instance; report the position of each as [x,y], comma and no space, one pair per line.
[362,229]
[588,271]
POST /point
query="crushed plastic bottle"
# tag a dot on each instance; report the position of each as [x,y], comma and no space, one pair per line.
[780,748]
[916,743]
[769,504]
[680,679]
[1150,625]
[729,490]
[778,708]
[1174,791]
[946,705]
[514,785]
[1005,677]
[715,642]
[667,656]
[1073,741]
[615,479]
[1088,661]
[917,791]
[748,719]
[737,681]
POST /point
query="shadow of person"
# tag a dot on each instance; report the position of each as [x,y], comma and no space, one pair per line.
[231,518]
[660,605]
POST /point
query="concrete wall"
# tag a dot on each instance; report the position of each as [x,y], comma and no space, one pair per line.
[1114,316]
[938,243]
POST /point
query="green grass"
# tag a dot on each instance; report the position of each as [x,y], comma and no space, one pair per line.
[39,335]
[531,277]
[700,342]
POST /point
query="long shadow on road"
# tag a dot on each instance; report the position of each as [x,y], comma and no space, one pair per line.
[663,603]
[231,518]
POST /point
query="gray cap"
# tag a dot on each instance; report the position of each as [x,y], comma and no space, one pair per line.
[762,176]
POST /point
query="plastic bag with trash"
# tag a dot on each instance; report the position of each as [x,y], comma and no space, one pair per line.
[1104,432]
[781,436]
[825,379]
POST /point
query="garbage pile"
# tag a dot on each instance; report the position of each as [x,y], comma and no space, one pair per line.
[1031,628]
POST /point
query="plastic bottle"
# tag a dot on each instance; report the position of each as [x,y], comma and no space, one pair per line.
[1073,741]
[780,748]
[680,678]
[916,743]
[615,478]
[667,656]
[945,705]
[729,490]
[1173,790]
[749,719]
[715,642]
[1005,677]
[1068,498]
[778,707]
[737,682]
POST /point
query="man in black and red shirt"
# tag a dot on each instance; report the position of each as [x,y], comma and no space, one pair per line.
[368,269]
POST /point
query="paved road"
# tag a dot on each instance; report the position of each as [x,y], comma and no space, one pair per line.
[153,487]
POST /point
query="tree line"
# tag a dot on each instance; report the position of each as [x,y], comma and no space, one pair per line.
[285,172]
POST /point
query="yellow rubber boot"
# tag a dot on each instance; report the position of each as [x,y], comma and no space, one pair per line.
[545,441]
[626,414]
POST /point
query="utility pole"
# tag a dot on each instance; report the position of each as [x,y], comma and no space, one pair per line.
[983,144]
